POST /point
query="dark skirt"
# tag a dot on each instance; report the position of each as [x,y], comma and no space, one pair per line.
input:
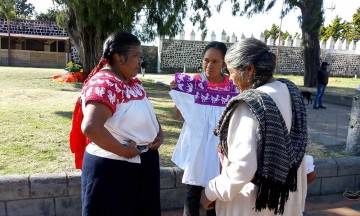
[115,187]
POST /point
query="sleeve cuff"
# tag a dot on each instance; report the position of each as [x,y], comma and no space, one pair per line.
[210,194]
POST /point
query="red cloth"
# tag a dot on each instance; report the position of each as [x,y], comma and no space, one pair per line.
[78,141]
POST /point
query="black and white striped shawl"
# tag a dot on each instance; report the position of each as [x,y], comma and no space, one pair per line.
[279,153]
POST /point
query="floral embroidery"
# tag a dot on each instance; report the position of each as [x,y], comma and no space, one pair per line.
[215,94]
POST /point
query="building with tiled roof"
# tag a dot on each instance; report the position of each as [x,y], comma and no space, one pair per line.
[34,43]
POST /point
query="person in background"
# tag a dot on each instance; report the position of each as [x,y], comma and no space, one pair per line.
[322,80]
[263,138]
[143,67]
[199,101]
[120,167]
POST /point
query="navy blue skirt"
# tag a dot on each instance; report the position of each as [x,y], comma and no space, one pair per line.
[114,187]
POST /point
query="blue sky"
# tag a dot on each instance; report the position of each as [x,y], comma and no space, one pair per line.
[255,25]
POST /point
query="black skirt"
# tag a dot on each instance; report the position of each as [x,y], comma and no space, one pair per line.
[115,187]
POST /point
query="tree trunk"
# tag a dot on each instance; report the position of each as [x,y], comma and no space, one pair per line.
[353,138]
[312,19]
[311,57]
[90,49]
[9,43]
[87,41]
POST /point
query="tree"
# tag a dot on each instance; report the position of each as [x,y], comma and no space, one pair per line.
[337,30]
[90,21]
[23,9]
[50,15]
[310,21]
[355,31]
[8,10]
[272,33]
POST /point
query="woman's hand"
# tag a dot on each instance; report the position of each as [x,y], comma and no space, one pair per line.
[130,150]
[207,204]
[159,139]
[173,84]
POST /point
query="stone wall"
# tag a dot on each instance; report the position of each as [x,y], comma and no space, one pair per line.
[60,194]
[176,54]
[150,54]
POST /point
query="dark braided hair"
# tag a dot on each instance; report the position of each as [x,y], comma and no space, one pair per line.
[118,42]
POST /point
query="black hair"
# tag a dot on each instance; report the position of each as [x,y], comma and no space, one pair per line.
[119,42]
[216,45]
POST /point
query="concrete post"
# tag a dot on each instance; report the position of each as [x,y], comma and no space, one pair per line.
[288,42]
[242,36]
[323,44]
[159,54]
[330,43]
[192,35]
[271,41]
[262,37]
[352,45]
[353,138]
[297,41]
[182,35]
[223,36]
[233,38]
[213,36]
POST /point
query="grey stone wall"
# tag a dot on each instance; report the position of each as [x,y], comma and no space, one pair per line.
[177,53]
[33,27]
[60,194]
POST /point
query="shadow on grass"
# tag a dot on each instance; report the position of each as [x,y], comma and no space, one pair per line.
[66,114]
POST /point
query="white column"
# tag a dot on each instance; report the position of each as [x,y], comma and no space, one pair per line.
[213,36]
[159,54]
[288,41]
[182,35]
[223,36]
[242,36]
[345,45]
[330,43]
[297,41]
[233,38]
[271,41]
[338,44]
[262,37]
[323,44]
[352,45]
[192,35]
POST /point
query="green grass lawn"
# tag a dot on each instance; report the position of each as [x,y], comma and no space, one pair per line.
[35,119]
[337,85]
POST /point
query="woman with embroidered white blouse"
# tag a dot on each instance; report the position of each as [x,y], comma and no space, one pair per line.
[120,167]
[263,137]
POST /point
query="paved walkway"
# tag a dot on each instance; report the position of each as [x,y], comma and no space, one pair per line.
[328,126]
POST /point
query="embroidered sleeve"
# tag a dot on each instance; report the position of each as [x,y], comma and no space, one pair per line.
[104,89]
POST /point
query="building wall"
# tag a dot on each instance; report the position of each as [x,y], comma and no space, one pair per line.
[28,58]
[176,54]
